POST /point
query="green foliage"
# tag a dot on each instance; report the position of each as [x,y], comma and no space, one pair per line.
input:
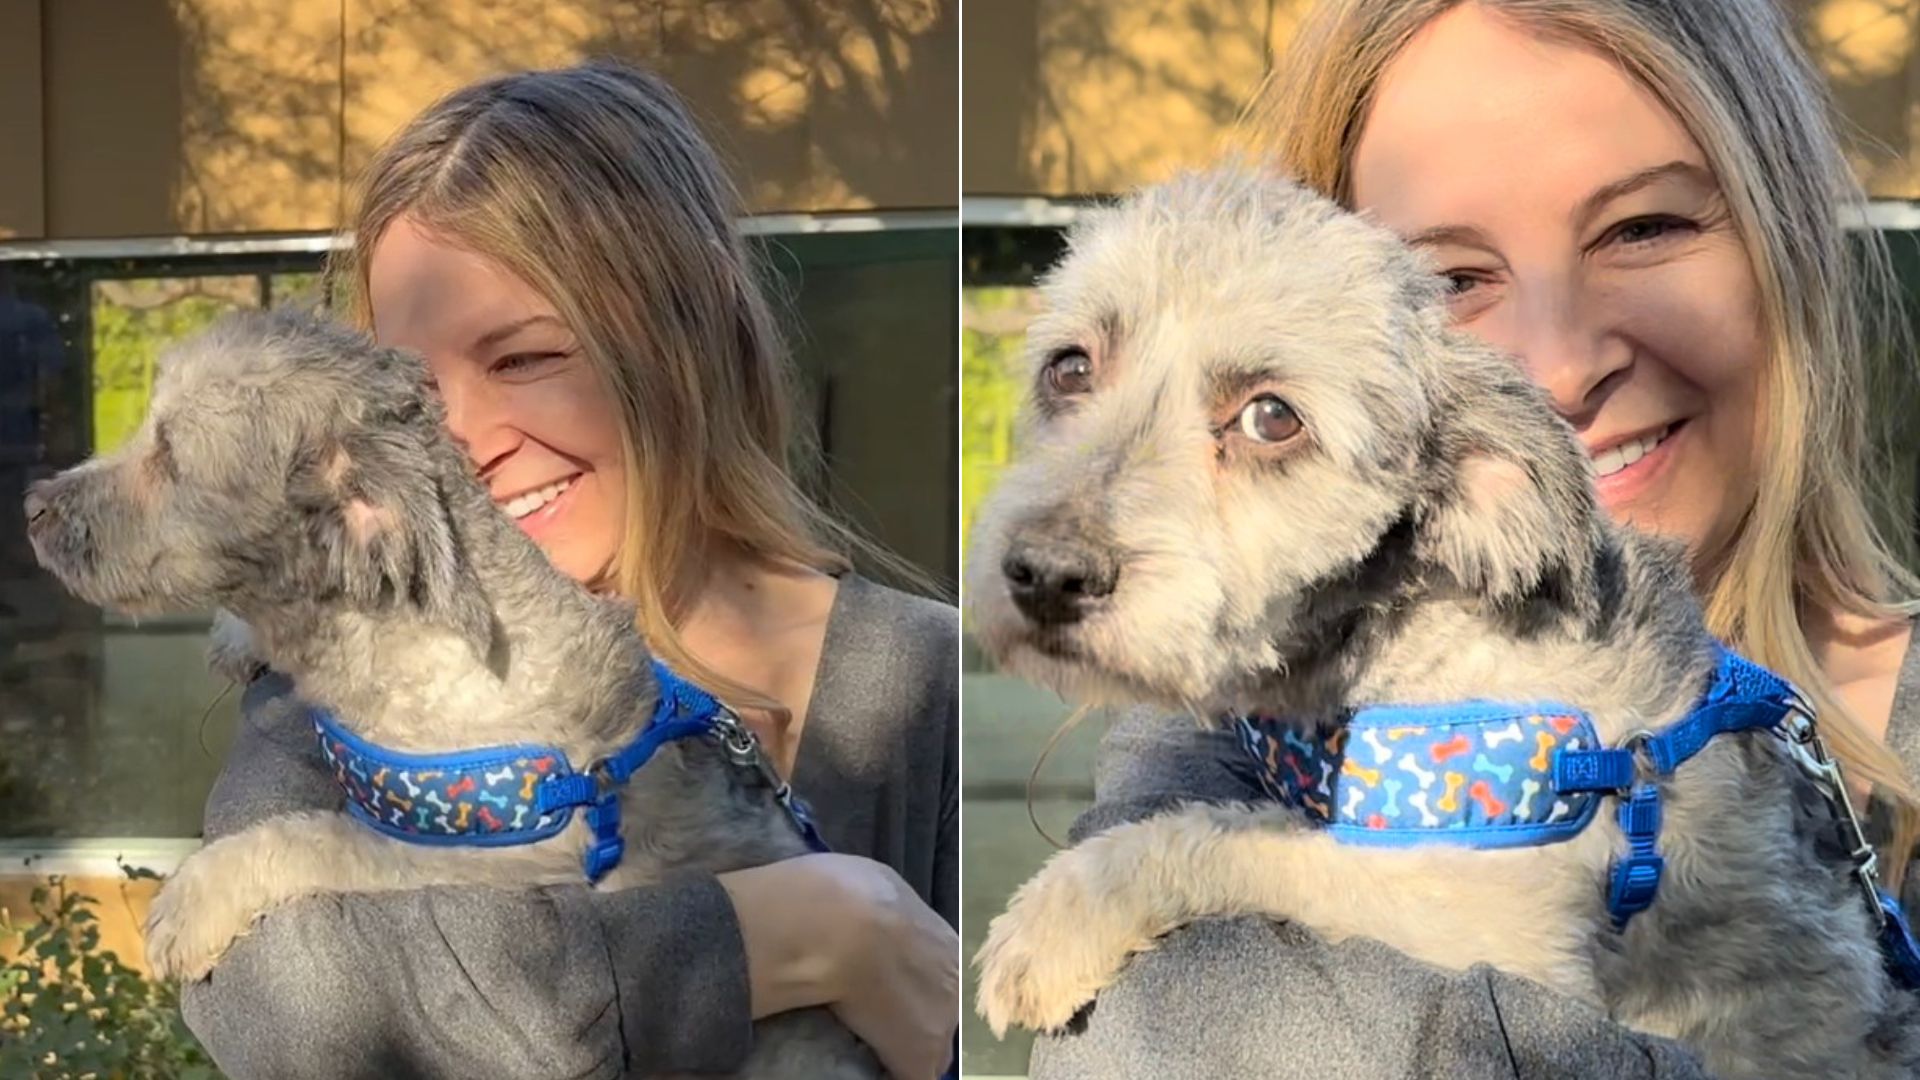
[990,389]
[126,341]
[70,1011]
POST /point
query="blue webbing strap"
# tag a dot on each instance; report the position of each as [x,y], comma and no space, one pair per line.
[1742,696]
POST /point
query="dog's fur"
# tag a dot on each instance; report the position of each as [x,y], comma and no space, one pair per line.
[1432,536]
[293,474]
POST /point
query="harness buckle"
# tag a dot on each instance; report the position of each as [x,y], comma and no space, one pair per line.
[604,783]
[1639,744]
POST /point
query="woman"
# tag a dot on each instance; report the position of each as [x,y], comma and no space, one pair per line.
[1639,199]
[561,247]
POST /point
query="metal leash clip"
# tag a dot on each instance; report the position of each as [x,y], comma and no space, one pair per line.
[743,750]
[1809,752]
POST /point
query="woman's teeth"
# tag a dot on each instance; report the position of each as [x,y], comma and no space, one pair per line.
[521,505]
[1613,460]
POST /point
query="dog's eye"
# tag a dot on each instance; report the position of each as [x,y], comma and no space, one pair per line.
[1267,419]
[1069,371]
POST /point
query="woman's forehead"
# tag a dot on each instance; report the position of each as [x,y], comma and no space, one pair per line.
[1479,117]
[436,296]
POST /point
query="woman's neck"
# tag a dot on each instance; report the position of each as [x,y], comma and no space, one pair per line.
[1861,656]
[762,625]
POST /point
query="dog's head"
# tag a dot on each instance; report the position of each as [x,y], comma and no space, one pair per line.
[284,461]
[1248,427]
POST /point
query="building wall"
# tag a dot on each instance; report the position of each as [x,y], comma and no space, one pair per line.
[124,118]
[1082,97]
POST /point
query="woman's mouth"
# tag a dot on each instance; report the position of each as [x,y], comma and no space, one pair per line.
[1624,471]
[535,510]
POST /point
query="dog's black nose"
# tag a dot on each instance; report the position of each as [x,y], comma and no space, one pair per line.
[1057,582]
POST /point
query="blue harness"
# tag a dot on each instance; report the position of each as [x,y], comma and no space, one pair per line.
[1494,775]
[524,793]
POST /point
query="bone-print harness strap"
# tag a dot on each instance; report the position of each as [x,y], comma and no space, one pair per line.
[1492,775]
[524,793]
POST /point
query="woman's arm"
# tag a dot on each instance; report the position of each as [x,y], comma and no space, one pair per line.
[1247,997]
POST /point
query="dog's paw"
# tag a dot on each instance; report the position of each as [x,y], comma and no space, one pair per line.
[193,921]
[1060,941]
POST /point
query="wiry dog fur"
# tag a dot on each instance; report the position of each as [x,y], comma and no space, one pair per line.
[296,476]
[1430,536]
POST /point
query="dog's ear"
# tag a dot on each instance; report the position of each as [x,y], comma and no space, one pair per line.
[379,517]
[1509,511]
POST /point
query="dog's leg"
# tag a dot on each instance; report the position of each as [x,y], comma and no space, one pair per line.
[1069,930]
[218,892]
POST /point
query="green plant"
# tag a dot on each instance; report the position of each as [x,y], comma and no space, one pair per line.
[71,1011]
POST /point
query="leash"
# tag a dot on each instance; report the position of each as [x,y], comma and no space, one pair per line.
[524,793]
[1491,775]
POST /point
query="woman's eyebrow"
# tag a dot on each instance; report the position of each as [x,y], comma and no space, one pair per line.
[506,330]
[1457,235]
[1686,171]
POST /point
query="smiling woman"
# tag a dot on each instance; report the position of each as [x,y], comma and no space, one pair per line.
[563,249]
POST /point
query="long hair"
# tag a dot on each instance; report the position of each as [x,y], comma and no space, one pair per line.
[593,184]
[1733,75]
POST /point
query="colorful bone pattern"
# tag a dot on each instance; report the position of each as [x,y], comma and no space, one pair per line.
[471,801]
[1490,773]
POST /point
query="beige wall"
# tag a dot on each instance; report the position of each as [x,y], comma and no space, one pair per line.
[22,199]
[162,117]
[1075,97]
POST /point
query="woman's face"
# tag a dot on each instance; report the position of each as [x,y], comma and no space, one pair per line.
[1583,233]
[520,395]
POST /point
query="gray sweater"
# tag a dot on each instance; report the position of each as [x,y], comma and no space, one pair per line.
[569,981]
[1226,999]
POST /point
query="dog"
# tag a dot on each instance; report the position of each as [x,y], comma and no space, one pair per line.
[299,479]
[1259,475]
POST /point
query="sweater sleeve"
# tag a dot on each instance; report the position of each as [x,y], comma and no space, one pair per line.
[444,982]
[1248,997]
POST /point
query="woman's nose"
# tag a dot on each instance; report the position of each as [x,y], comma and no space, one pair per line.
[476,420]
[1569,352]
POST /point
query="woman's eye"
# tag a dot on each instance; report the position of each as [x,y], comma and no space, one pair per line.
[520,362]
[1267,419]
[1459,281]
[1069,371]
[1646,229]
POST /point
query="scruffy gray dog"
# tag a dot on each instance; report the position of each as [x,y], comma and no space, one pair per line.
[1260,475]
[295,475]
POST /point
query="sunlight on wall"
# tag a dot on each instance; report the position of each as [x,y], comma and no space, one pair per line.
[1116,93]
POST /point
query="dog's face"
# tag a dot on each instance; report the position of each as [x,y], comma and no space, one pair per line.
[282,460]
[1246,420]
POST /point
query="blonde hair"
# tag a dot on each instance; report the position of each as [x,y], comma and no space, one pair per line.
[594,185]
[1733,75]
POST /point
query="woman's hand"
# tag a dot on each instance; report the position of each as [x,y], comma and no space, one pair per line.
[848,933]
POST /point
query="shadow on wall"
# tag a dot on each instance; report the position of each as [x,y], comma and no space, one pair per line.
[1097,96]
[1092,96]
[254,115]
[1868,50]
